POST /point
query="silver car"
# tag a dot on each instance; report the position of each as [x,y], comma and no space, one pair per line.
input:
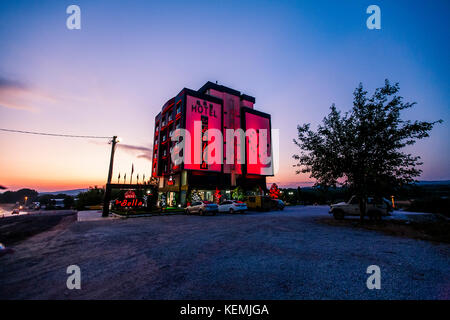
[232,206]
[202,208]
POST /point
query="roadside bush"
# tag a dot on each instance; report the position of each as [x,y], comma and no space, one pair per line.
[431,205]
[92,197]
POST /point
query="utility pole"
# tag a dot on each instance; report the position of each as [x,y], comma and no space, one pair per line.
[108,182]
[111,160]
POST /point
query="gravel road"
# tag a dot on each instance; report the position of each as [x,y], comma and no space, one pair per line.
[274,255]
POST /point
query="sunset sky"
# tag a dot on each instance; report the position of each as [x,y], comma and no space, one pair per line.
[112,76]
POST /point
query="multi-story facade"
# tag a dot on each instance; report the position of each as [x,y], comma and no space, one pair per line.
[218,107]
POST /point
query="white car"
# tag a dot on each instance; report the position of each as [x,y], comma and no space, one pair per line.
[232,206]
[202,207]
[375,207]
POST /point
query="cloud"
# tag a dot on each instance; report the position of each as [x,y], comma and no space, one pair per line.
[141,151]
[146,156]
[17,95]
[133,148]
[11,84]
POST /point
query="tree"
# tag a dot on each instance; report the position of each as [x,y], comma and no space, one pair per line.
[93,196]
[363,148]
[238,194]
[69,202]
[195,196]
[274,192]
[217,196]
[299,194]
[18,196]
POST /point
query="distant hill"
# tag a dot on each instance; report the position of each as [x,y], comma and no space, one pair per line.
[437,182]
[73,192]
[308,185]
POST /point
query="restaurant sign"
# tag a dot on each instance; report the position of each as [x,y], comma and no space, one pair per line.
[130,200]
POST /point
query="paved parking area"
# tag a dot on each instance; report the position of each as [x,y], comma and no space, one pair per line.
[92,215]
[273,255]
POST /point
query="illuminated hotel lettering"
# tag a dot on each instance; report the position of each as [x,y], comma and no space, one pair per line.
[204,109]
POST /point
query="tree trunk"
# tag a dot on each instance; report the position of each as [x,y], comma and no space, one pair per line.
[362,208]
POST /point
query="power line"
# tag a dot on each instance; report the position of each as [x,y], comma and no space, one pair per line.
[53,134]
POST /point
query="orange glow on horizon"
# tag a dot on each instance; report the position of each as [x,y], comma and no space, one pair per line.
[51,185]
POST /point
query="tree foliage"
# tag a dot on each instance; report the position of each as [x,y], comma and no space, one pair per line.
[238,194]
[364,148]
[93,196]
[274,192]
[18,196]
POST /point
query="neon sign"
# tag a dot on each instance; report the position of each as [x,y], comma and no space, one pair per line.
[130,195]
[204,109]
[129,201]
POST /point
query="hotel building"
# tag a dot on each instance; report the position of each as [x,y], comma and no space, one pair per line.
[218,107]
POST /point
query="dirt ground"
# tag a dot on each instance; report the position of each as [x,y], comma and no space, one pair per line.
[273,255]
[436,229]
[17,228]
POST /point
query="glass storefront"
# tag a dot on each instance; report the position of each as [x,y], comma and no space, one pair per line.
[168,199]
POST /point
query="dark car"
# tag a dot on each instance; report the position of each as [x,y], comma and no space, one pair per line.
[280,204]
[277,204]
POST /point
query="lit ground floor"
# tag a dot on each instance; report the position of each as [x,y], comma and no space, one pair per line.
[182,188]
[273,255]
[183,198]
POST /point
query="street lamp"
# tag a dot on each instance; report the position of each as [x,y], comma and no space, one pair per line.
[26,198]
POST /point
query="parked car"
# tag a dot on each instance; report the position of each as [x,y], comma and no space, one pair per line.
[279,204]
[36,205]
[232,206]
[376,207]
[260,203]
[15,211]
[202,207]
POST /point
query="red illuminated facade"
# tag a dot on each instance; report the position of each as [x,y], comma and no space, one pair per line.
[218,107]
